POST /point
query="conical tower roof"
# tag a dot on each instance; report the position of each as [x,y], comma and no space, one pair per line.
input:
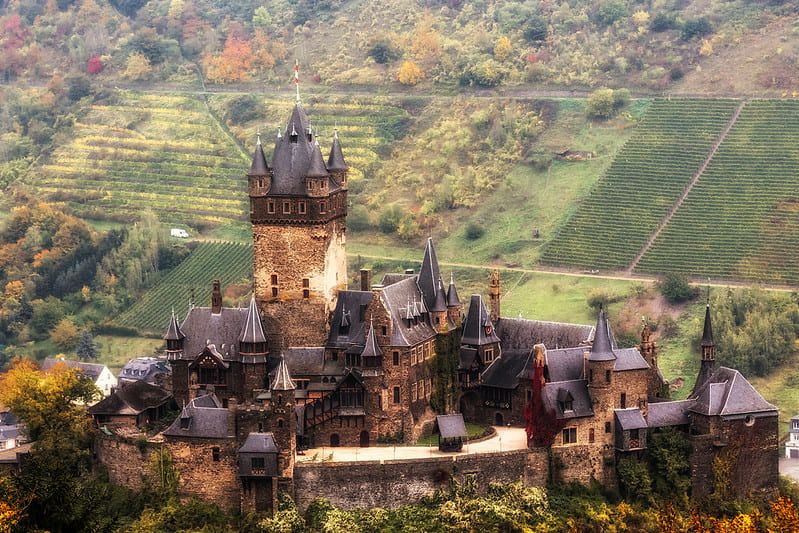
[707,332]
[429,274]
[173,332]
[336,159]
[371,349]
[602,349]
[259,166]
[283,379]
[317,168]
[253,332]
[452,293]
[440,303]
[293,155]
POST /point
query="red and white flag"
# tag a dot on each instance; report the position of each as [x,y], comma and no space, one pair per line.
[296,71]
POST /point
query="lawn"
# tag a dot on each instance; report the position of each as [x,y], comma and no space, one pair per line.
[473,430]
[116,351]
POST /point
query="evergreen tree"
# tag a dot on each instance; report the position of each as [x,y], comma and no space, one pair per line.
[87,348]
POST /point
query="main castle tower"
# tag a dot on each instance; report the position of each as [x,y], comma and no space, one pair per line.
[298,210]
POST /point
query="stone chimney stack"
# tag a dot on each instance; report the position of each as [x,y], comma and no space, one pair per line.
[231,416]
[366,279]
[494,295]
[216,297]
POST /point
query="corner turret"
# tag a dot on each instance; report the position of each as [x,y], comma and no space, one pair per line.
[708,353]
[336,164]
[259,177]
[174,338]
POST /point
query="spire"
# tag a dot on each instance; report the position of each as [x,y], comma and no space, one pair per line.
[317,168]
[371,349]
[259,166]
[429,274]
[478,328]
[602,349]
[708,347]
[253,332]
[452,293]
[440,303]
[707,332]
[173,332]
[335,161]
[283,379]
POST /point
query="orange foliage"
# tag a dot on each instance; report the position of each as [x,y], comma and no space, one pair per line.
[784,517]
[233,64]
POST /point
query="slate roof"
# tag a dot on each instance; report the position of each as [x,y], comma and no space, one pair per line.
[203,422]
[335,160]
[565,364]
[630,418]
[7,418]
[132,399]
[467,357]
[258,166]
[581,403]
[602,348]
[92,370]
[707,329]
[665,414]
[398,299]
[391,279]
[440,303]
[451,426]
[477,327]
[311,362]
[452,293]
[259,443]
[523,334]
[728,393]
[506,370]
[9,432]
[282,380]
[253,331]
[429,274]
[629,359]
[144,369]
[292,160]
[203,327]
[317,169]
[350,309]
[173,331]
[371,349]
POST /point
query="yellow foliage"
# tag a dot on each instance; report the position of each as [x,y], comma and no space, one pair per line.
[175,9]
[138,67]
[410,73]
[707,48]
[502,48]
[14,290]
[426,43]
[86,293]
[65,334]
[641,18]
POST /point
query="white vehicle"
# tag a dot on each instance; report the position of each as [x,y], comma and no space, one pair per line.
[179,233]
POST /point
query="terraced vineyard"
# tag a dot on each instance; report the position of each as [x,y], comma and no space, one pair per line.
[741,219]
[364,125]
[229,262]
[142,151]
[645,179]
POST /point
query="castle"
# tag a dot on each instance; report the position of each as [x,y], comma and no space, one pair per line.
[309,363]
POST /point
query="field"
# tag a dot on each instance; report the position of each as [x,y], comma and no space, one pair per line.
[742,217]
[645,179]
[189,281]
[146,151]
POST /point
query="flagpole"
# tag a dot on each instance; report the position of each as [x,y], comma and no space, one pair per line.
[297,78]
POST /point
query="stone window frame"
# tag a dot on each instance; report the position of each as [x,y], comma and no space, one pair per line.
[569,435]
[607,376]
[384,330]
[270,207]
[414,392]
[623,400]
[591,437]
[286,207]
[414,359]
[395,357]
[397,391]
[608,427]
[302,207]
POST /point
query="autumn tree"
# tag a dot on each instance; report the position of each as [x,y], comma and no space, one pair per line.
[410,73]
[235,63]
[502,48]
[65,334]
[137,67]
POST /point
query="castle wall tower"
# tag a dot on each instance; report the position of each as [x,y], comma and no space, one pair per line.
[298,208]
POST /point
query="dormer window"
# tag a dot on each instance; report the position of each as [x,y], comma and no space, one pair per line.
[309,135]
[568,405]
[185,422]
[293,136]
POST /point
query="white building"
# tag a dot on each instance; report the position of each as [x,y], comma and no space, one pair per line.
[9,437]
[102,377]
[792,446]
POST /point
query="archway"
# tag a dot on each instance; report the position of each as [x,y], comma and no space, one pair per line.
[364,439]
[499,420]
[469,405]
[334,440]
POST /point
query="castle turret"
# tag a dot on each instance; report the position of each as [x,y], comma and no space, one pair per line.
[258,178]
[600,363]
[372,355]
[253,349]
[282,419]
[479,333]
[336,164]
[453,302]
[438,313]
[174,338]
[708,353]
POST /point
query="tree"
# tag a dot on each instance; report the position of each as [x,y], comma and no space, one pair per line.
[634,479]
[94,65]
[261,17]
[46,314]
[86,348]
[233,64]
[65,334]
[138,67]
[383,51]
[610,11]
[78,87]
[600,104]
[502,48]
[677,288]
[410,73]
[698,27]
[535,29]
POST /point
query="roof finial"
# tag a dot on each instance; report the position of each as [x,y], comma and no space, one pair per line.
[297,78]
[279,135]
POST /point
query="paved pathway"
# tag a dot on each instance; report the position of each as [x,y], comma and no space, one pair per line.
[790,468]
[505,440]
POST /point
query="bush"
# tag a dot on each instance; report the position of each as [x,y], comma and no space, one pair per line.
[676,288]
[243,108]
[78,87]
[410,73]
[698,27]
[676,74]
[663,22]
[600,104]
[474,231]
[383,51]
[599,298]
[634,479]
[389,219]
[535,29]
[610,11]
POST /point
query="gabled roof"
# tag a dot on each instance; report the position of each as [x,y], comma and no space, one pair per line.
[398,300]
[253,331]
[258,166]
[92,370]
[524,334]
[371,349]
[202,327]
[131,399]
[630,418]
[478,328]
[728,393]
[602,348]
[201,422]
[429,274]
[259,443]
[452,292]
[581,403]
[173,332]
[282,380]
[629,359]
[336,159]
[506,370]
[348,324]
[451,426]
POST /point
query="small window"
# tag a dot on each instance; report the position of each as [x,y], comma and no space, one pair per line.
[286,207]
[257,462]
[215,453]
[634,434]
[306,293]
[414,392]
[395,358]
[274,279]
[607,427]
[570,436]
[623,400]
[185,422]
[274,292]
[323,207]
[270,207]
[306,283]
[384,330]
[260,427]
[396,395]
[568,405]
[591,375]
[591,435]
[607,376]
[301,208]
[280,422]
[489,355]
[429,387]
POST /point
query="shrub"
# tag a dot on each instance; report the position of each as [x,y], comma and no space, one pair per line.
[634,479]
[610,11]
[243,108]
[663,22]
[600,104]
[676,74]
[693,28]
[599,298]
[535,29]
[474,231]
[410,73]
[677,288]
[138,67]
[383,51]
[78,87]
[94,65]
[390,218]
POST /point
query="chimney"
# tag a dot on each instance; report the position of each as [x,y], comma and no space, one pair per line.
[231,416]
[366,279]
[494,294]
[216,298]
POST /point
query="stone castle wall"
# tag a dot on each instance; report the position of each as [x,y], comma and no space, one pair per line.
[392,484]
